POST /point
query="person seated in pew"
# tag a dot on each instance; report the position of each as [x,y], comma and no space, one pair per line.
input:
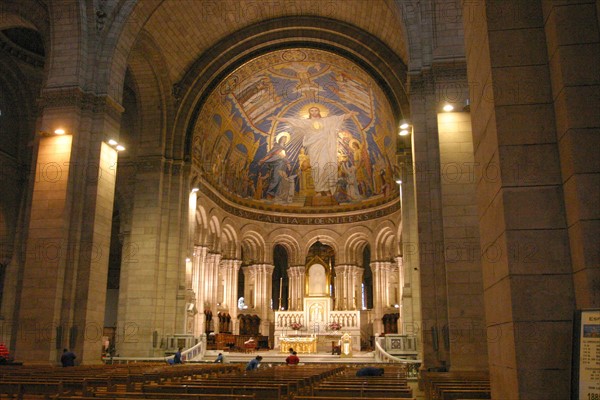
[254,363]
[292,359]
[370,371]
[68,358]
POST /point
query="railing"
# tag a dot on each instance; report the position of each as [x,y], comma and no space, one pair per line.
[195,352]
[285,318]
[381,355]
[346,319]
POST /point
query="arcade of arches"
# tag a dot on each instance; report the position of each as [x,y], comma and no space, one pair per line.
[241,166]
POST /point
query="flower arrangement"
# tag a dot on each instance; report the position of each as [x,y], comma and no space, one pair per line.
[334,326]
[296,326]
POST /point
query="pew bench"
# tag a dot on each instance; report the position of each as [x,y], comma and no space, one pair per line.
[261,392]
[21,389]
[363,392]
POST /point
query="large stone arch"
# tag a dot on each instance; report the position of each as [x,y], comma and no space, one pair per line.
[68,65]
[230,246]
[254,246]
[385,243]
[290,240]
[324,235]
[146,65]
[355,241]
[214,232]
[200,235]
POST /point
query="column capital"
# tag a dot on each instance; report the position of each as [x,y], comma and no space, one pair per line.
[200,251]
[231,263]
[380,265]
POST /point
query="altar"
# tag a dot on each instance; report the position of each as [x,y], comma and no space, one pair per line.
[300,344]
[315,325]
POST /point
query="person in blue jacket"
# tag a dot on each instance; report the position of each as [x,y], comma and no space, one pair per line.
[253,364]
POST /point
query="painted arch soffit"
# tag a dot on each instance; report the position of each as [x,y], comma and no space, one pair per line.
[297,130]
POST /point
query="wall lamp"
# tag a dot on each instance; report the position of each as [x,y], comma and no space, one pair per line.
[57,132]
[115,145]
[448,107]
[405,128]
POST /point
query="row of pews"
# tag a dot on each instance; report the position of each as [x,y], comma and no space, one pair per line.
[200,381]
[463,385]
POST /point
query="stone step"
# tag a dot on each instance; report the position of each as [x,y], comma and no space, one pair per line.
[274,356]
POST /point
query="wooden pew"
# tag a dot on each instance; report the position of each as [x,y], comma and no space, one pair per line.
[261,392]
[21,389]
[389,393]
[158,396]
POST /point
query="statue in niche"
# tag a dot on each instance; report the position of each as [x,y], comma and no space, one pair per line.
[316,313]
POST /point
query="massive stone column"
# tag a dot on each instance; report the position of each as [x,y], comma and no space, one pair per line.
[426,241]
[152,294]
[464,337]
[576,101]
[410,306]
[520,116]
[65,268]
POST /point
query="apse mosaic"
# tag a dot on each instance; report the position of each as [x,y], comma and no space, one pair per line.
[299,129]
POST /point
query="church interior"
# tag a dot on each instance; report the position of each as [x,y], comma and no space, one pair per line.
[411,184]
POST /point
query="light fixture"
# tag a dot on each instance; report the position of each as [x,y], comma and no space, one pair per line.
[188,259]
[194,190]
[115,145]
[405,127]
[448,107]
[399,181]
[57,132]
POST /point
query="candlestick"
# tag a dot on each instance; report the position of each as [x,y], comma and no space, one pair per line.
[280,291]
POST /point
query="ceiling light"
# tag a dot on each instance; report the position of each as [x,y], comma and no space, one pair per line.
[448,107]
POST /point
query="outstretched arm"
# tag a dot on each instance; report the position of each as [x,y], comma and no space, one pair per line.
[350,114]
[279,119]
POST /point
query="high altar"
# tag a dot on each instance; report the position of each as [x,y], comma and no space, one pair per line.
[316,318]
